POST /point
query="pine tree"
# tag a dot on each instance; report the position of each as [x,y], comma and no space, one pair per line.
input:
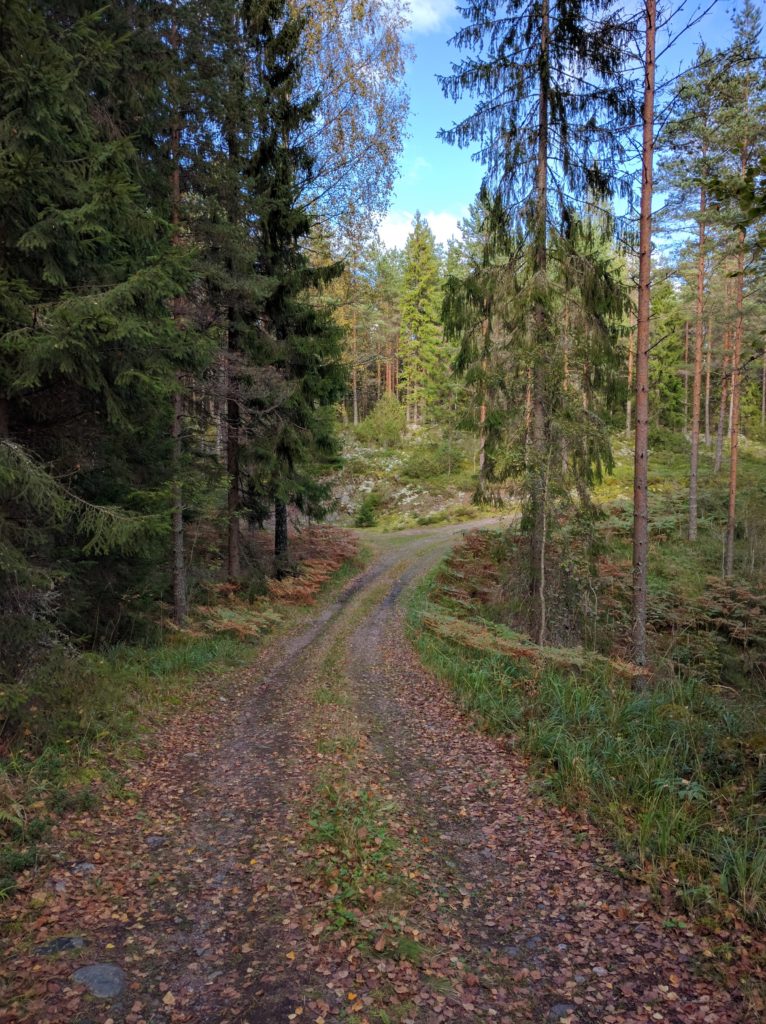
[546,75]
[643,343]
[690,153]
[387,305]
[743,134]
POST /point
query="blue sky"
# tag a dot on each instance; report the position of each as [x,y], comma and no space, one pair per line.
[441,180]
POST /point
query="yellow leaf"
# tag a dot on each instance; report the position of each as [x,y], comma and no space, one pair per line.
[291,955]
[169,999]
[351,997]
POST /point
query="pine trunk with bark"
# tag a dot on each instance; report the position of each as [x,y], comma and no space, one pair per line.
[641,459]
[233,561]
[180,590]
[233,410]
[686,376]
[539,496]
[629,401]
[697,385]
[180,586]
[708,344]
[736,385]
[354,381]
[723,401]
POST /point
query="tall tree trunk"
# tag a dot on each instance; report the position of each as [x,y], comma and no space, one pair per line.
[528,412]
[482,481]
[641,468]
[686,376]
[731,406]
[354,383]
[233,562]
[736,385]
[723,401]
[5,417]
[539,489]
[221,391]
[697,387]
[180,584]
[708,345]
[629,402]
[281,540]
[354,398]
[482,438]
[180,592]
[763,391]
[233,410]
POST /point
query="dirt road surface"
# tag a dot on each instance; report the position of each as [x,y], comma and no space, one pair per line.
[330,839]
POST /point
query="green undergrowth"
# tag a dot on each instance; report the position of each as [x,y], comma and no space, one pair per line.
[413,479]
[356,860]
[676,565]
[354,852]
[668,770]
[82,714]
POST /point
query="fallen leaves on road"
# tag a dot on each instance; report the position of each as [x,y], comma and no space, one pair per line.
[214,889]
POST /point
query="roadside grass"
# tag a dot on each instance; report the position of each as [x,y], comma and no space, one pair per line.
[87,712]
[665,770]
[83,714]
[677,772]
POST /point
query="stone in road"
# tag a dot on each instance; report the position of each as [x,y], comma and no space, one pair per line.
[340,843]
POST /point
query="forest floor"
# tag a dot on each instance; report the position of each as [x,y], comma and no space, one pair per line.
[329,838]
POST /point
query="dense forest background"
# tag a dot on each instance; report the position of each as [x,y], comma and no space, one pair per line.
[194,299]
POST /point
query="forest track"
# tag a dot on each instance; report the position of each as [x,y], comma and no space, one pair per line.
[332,839]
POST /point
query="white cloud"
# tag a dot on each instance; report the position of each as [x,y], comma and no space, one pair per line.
[415,171]
[428,15]
[396,226]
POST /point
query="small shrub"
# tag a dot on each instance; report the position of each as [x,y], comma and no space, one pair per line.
[367,513]
[385,424]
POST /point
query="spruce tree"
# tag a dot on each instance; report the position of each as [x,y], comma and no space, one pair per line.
[473,309]
[292,433]
[420,340]
[88,354]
